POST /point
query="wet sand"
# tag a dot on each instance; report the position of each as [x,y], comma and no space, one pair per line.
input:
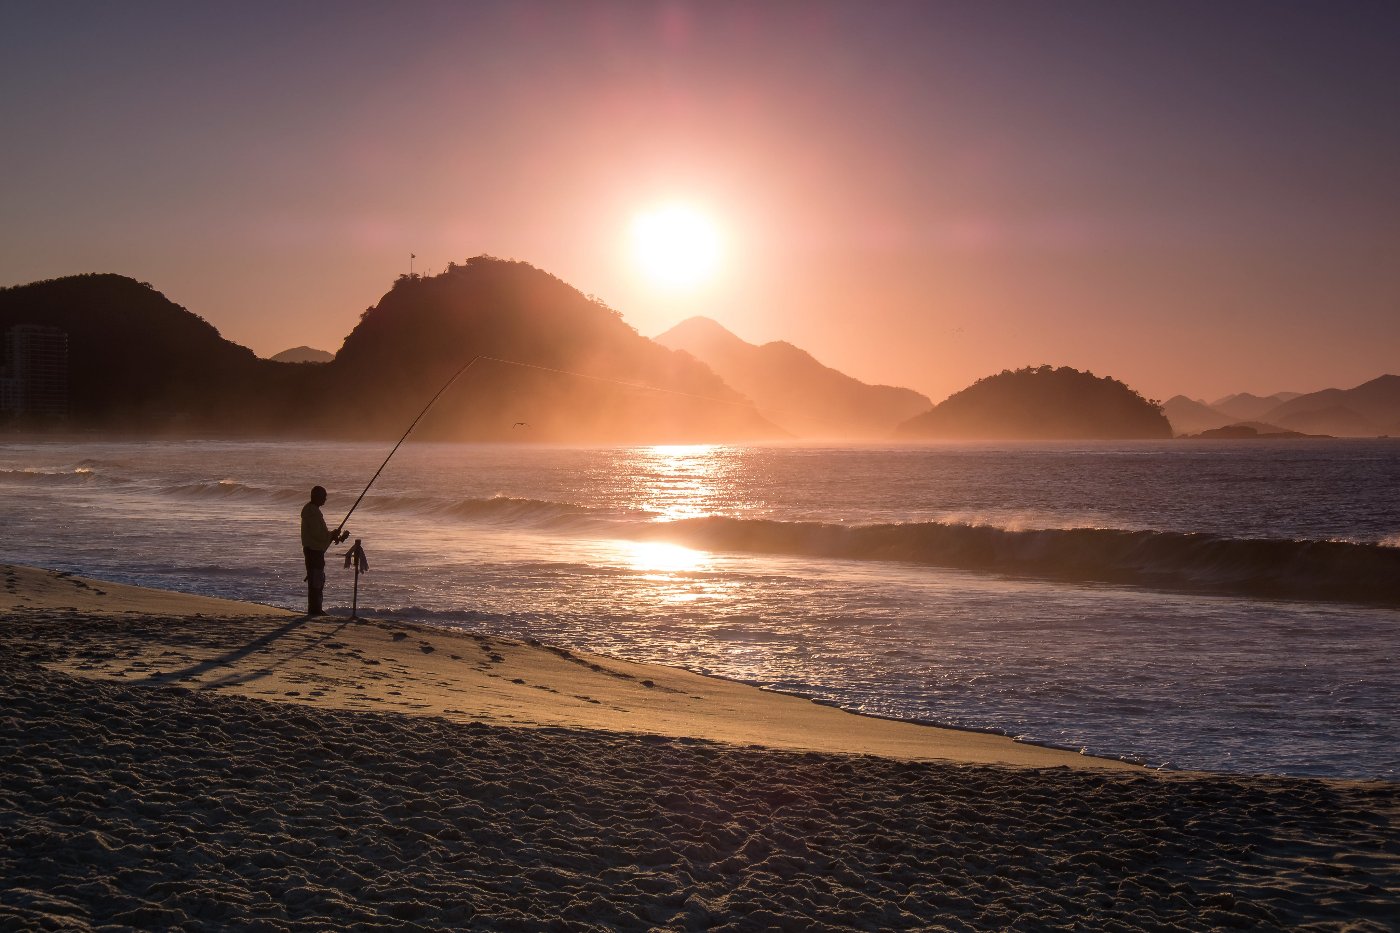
[170,761]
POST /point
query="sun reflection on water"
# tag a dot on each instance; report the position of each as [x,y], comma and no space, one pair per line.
[661,558]
[667,569]
[679,481]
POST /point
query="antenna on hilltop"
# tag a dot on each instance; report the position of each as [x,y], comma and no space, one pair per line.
[411,257]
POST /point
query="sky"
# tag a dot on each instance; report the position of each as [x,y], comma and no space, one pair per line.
[1192,197]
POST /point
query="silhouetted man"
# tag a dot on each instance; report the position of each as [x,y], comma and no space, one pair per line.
[315,538]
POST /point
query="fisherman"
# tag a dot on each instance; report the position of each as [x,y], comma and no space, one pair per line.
[315,539]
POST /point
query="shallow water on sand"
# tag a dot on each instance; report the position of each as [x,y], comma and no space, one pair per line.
[1223,606]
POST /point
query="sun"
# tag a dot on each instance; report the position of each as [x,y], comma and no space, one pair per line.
[676,246]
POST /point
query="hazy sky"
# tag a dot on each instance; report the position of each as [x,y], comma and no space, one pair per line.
[1192,197]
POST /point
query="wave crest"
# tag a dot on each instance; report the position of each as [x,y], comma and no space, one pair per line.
[79,476]
[1268,568]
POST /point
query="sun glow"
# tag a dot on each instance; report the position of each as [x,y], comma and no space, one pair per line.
[663,558]
[676,246]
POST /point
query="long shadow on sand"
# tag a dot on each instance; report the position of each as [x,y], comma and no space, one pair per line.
[262,642]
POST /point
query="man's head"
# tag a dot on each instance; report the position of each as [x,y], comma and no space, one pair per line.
[318,496]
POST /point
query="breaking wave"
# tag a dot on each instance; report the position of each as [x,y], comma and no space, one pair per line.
[535,514]
[79,476]
[232,489]
[1268,568]
[510,510]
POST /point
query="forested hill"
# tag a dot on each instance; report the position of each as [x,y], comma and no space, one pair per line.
[141,363]
[1041,403]
[584,362]
[138,361]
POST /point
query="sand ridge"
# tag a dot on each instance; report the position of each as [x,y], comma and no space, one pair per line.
[470,677]
[35,588]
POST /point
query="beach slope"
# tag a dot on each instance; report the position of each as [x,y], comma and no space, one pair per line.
[173,761]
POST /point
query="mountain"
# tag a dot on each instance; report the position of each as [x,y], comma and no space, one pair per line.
[1367,410]
[579,372]
[1041,404]
[1335,420]
[138,361]
[1190,416]
[302,355]
[1242,406]
[793,389]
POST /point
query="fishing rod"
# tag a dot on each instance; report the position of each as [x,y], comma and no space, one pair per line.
[413,424]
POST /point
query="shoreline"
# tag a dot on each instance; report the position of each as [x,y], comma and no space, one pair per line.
[108,597]
[484,678]
[167,765]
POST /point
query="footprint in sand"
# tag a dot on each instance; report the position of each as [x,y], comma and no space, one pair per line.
[516,680]
[426,648]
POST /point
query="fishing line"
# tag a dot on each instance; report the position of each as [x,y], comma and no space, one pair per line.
[411,426]
[548,369]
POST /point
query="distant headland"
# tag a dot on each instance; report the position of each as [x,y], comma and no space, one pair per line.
[302,355]
[792,388]
[1371,409]
[106,353]
[1041,403]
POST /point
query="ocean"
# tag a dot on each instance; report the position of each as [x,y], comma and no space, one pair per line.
[1229,606]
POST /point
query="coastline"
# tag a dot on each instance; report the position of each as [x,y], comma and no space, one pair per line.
[268,653]
[176,759]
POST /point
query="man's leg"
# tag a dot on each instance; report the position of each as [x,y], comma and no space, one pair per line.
[315,581]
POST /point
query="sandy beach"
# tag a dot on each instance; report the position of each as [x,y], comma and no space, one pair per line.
[172,761]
